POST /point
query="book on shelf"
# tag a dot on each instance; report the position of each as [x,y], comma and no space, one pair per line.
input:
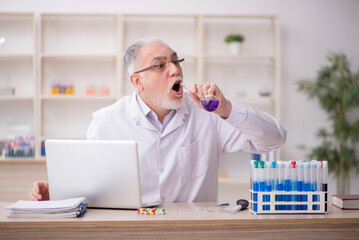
[350,201]
[74,207]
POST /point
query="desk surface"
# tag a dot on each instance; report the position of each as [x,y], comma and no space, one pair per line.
[105,223]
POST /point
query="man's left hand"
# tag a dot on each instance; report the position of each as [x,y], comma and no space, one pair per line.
[199,91]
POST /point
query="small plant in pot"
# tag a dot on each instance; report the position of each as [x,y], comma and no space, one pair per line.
[234,42]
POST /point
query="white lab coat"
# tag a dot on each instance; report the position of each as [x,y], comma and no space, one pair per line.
[181,164]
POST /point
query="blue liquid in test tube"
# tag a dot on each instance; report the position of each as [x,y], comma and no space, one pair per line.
[274,175]
[300,168]
[313,181]
[255,185]
[313,175]
[287,185]
[262,182]
[300,185]
[280,185]
[268,176]
[294,179]
[280,167]
[307,187]
[262,179]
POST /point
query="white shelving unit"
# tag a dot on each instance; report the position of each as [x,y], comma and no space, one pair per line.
[86,50]
[17,70]
[79,50]
[242,76]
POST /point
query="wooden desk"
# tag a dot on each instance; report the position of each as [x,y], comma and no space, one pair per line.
[125,224]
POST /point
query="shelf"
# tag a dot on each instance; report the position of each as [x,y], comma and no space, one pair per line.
[43,138]
[215,57]
[268,17]
[253,99]
[15,57]
[86,57]
[74,97]
[22,160]
[78,15]
[15,98]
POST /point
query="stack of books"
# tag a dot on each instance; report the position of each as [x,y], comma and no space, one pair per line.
[349,201]
[74,207]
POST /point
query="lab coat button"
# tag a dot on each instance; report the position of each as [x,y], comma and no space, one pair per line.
[161,170]
[137,123]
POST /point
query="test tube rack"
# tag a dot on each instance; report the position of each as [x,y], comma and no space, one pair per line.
[281,202]
[289,187]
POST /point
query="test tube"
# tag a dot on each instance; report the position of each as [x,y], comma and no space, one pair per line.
[325,183]
[294,183]
[287,181]
[255,185]
[300,184]
[300,171]
[280,167]
[319,175]
[307,187]
[251,174]
[274,175]
[294,176]
[313,180]
[306,180]
[281,179]
[325,176]
[256,177]
[268,177]
[313,175]
[251,167]
[262,182]
[32,146]
[262,179]
[287,185]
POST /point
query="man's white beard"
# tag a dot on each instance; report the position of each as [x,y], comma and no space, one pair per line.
[172,104]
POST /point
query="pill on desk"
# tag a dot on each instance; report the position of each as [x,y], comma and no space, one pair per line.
[151,211]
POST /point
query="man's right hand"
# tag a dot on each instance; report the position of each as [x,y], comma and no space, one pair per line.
[39,192]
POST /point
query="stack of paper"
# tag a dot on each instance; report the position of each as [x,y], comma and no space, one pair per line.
[73,207]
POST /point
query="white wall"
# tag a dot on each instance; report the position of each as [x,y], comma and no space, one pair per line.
[309,30]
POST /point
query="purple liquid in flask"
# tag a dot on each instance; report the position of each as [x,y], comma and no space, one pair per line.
[210,105]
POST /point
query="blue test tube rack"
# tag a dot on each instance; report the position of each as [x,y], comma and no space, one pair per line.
[292,199]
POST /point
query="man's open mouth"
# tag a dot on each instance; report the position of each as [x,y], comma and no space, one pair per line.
[176,86]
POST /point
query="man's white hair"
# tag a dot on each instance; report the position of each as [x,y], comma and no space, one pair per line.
[132,54]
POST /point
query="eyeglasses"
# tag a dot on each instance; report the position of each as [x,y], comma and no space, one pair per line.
[162,65]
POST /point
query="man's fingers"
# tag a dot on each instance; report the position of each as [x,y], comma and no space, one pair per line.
[33,196]
[194,98]
[36,187]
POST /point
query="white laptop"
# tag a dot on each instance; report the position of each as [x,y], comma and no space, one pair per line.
[105,172]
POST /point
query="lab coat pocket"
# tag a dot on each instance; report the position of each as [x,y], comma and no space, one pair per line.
[192,160]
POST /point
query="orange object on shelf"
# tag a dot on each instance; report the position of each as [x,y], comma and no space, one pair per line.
[55,90]
[70,90]
[105,91]
[90,91]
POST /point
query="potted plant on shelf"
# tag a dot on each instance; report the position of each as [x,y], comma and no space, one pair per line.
[234,42]
[337,90]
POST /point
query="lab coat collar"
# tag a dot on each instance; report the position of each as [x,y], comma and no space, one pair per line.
[178,120]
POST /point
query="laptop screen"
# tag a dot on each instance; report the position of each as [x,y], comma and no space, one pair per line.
[105,172]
